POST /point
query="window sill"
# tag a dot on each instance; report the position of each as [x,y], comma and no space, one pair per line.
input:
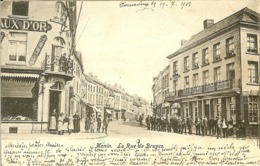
[253,84]
[194,68]
[205,64]
[16,63]
[252,53]
[230,56]
[215,61]
[186,71]
[18,16]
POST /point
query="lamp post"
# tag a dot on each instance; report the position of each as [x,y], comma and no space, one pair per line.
[42,82]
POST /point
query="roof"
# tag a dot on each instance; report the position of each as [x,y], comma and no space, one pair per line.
[244,15]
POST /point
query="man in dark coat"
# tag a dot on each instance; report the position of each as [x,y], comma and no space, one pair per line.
[76,122]
[189,124]
[105,123]
[198,125]
[148,122]
[211,126]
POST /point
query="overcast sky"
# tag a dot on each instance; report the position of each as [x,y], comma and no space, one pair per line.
[129,47]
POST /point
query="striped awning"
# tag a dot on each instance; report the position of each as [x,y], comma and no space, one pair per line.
[20,75]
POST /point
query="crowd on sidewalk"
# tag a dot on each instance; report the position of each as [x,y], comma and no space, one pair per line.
[219,127]
[60,124]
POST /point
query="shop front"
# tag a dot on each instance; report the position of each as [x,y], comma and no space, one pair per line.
[19,102]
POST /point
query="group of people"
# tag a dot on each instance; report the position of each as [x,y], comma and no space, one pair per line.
[219,126]
[65,123]
[98,125]
[61,123]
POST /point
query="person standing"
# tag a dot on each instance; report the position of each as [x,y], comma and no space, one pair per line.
[211,124]
[53,122]
[219,127]
[70,124]
[76,122]
[242,129]
[92,121]
[105,123]
[184,126]
[189,124]
[198,124]
[60,123]
[152,123]
[99,120]
[141,120]
[230,127]
[224,127]
[148,122]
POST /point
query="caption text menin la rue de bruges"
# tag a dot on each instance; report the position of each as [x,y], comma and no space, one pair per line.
[40,153]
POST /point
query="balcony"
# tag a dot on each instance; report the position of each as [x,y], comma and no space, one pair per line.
[187,92]
[223,85]
[196,90]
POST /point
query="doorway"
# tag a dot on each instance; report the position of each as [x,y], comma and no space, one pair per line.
[54,104]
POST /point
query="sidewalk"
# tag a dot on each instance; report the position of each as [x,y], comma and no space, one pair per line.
[33,136]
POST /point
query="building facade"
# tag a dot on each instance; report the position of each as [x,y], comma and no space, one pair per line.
[36,51]
[216,72]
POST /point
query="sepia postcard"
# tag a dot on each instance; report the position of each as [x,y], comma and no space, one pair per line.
[174,82]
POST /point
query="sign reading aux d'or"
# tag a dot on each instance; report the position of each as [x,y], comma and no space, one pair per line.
[24,25]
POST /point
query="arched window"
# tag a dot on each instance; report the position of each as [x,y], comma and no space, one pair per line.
[57,86]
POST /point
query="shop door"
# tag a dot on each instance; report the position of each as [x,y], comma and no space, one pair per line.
[207,111]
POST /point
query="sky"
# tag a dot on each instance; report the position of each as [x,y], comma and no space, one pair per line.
[127,45]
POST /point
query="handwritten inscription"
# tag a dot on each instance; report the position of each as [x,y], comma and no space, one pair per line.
[147,5]
[39,153]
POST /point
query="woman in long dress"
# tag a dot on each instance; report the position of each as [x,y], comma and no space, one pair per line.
[76,122]
[53,123]
[60,123]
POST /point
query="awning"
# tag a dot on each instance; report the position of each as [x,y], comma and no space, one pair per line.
[20,75]
[109,111]
[96,109]
[176,105]
[17,89]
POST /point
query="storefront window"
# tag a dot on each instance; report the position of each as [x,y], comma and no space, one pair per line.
[18,109]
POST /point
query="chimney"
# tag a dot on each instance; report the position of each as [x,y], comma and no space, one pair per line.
[208,23]
[91,74]
[182,42]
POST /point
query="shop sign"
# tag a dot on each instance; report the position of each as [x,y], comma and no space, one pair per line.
[25,25]
[37,50]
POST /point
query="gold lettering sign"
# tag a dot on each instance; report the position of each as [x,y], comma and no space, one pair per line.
[25,25]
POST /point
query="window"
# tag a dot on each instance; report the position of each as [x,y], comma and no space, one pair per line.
[252,109]
[195,61]
[205,77]
[217,74]
[20,8]
[232,105]
[216,52]
[230,46]
[60,12]
[205,58]
[218,105]
[252,72]
[196,109]
[195,79]
[251,43]
[186,83]
[230,71]
[18,45]
[175,84]
[175,67]
[186,63]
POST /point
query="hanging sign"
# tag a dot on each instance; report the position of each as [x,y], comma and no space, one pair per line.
[37,50]
[25,25]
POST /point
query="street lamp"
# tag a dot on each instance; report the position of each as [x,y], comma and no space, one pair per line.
[42,82]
